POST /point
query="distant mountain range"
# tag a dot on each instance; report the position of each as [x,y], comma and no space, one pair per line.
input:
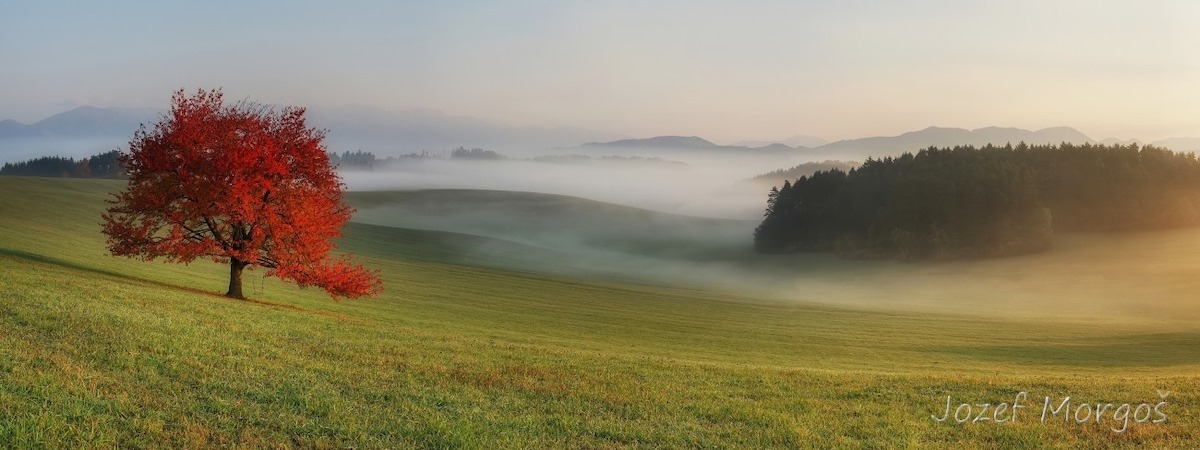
[914,141]
[881,146]
[82,122]
[794,141]
[80,132]
[1183,144]
[393,132]
[678,144]
[87,130]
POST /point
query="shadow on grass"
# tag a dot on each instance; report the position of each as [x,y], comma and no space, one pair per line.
[43,259]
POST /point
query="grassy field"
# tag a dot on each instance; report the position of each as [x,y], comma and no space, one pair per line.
[103,352]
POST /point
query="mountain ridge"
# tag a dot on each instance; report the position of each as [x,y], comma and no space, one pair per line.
[86,129]
[862,148]
[800,140]
[660,141]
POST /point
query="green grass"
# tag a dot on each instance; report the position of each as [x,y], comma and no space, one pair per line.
[557,221]
[102,352]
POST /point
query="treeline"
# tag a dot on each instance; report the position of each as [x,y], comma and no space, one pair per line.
[362,160]
[358,159]
[978,202]
[476,154]
[367,160]
[104,165]
[804,169]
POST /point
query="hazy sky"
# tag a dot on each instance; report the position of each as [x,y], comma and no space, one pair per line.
[724,70]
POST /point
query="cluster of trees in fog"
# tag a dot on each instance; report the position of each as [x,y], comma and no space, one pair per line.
[976,202]
[366,160]
[357,159]
[476,153]
[103,165]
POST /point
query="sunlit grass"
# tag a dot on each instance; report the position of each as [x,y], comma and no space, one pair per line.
[102,352]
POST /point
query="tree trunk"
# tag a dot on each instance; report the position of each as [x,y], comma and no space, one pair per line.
[235,279]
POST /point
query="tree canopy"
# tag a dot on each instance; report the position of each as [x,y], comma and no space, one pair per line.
[243,184]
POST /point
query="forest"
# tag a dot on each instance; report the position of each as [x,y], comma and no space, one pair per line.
[967,202]
[103,165]
[804,169]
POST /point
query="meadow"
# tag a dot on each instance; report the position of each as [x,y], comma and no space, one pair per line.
[487,340]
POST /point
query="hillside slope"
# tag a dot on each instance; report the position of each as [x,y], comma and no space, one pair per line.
[101,352]
[555,221]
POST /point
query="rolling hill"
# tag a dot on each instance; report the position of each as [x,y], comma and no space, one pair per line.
[552,221]
[106,352]
[565,235]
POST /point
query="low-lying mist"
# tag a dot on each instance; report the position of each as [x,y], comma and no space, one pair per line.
[659,221]
[1145,276]
[691,226]
[712,187]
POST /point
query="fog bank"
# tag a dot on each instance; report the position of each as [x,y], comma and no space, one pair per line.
[702,186]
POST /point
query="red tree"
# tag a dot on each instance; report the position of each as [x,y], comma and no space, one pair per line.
[242,184]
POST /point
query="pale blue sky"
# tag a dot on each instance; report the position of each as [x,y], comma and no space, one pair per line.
[723,70]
